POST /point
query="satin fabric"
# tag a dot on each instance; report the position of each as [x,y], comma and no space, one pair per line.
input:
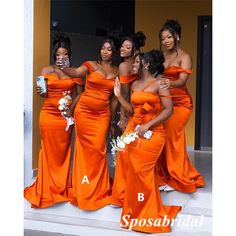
[128,79]
[174,167]
[142,156]
[90,178]
[53,179]
[120,176]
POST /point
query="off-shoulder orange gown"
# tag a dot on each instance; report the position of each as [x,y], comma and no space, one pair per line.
[120,176]
[90,178]
[174,167]
[53,179]
[142,156]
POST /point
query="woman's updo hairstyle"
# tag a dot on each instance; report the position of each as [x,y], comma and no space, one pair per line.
[61,41]
[155,58]
[137,39]
[174,28]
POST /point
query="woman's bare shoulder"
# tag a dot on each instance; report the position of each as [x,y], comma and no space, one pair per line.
[47,69]
[124,68]
[185,55]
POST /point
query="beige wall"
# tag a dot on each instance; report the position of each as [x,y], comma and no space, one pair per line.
[41,59]
[149,17]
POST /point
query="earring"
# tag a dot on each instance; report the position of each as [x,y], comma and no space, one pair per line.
[155,74]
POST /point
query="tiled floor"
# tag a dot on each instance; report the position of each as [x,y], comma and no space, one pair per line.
[65,219]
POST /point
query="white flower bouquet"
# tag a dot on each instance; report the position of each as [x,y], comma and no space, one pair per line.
[119,143]
[64,104]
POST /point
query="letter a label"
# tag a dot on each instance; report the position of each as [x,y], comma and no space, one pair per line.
[85,180]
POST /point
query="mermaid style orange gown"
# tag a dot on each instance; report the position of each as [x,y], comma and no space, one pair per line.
[174,167]
[90,178]
[119,182]
[142,156]
[53,180]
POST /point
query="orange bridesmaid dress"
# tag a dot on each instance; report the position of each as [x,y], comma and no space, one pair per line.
[174,167]
[91,188]
[142,156]
[120,176]
[53,179]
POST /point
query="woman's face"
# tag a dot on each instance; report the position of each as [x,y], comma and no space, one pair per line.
[136,65]
[106,52]
[167,40]
[61,53]
[126,49]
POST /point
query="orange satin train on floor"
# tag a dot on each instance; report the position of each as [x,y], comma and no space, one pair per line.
[53,180]
[174,167]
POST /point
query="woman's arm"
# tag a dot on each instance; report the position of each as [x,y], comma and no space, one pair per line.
[167,111]
[117,91]
[76,72]
[186,63]
[125,93]
[114,104]
[78,91]
[125,90]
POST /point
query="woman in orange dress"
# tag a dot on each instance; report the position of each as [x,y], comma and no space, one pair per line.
[94,113]
[130,46]
[174,168]
[151,105]
[53,179]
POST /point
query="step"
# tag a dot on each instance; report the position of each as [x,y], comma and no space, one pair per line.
[67,219]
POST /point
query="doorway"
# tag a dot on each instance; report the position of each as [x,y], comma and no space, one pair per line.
[203,117]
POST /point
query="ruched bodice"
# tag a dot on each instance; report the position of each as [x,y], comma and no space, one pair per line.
[147,106]
[55,89]
[99,87]
[180,96]
[98,91]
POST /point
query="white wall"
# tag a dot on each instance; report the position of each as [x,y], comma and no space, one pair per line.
[28,89]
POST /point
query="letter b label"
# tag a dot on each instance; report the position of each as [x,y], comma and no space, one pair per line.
[140,197]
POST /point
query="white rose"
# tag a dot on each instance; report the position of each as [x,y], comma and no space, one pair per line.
[148,134]
[120,144]
[127,140]
[61,101]
[61,108]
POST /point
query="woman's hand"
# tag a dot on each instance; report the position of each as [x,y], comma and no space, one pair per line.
[142,129]
[112,129]
[68,112]
[122,125]
[165,83]
[40,92]
[61,63]
[117,87]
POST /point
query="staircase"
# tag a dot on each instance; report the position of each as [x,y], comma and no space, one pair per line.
[194,219]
